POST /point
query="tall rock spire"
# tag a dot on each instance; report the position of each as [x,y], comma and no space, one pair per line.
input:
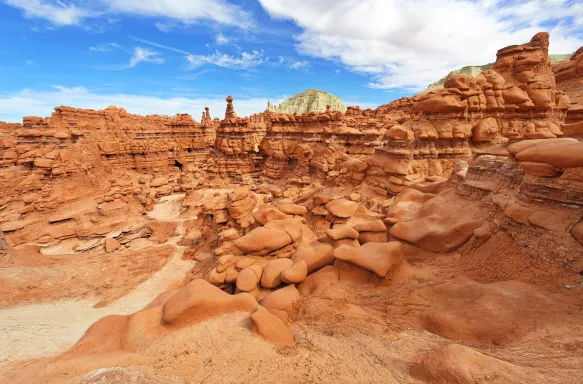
[230,112]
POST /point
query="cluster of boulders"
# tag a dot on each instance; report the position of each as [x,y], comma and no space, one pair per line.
[270,253]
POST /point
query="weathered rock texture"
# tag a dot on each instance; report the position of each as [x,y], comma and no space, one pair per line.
[569,75]
[475,70]
[298,243]
[4,248]
[404,142]
[310,101]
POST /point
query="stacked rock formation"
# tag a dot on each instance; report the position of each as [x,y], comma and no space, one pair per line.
[408,141]
[569,75]
[516,99]
[75,141]
[475,70]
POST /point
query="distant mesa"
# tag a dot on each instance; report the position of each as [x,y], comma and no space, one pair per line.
[312,100]
[475,70]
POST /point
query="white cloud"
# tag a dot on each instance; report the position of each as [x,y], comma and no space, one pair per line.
[139,55]
[41,103]
[247,60]
[144,55]
[411,43]
[222,39]
[104,47]
[186,11]
[299,65]
[57,12]
[61,13]
[30,62]
[165,27]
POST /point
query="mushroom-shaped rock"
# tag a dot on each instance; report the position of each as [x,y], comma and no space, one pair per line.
[293,227]
[316,255]
[265,213]
[200,300]
[262,241]
[342,231]
[271,328]
[296,274]
[283,299]
[376,257]
[342,208]
[271,276]
[371,226]
[293,209]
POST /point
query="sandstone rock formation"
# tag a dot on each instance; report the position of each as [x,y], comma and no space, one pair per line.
[310,101]
[440,234]
[569,75]
[475,70]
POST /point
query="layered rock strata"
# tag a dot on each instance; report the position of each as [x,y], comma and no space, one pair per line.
[408,141]
[312,100]
[569,75]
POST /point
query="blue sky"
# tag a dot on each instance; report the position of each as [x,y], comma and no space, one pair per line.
[176,56]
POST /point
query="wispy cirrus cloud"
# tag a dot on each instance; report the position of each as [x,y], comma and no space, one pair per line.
[56,12]
[247,60]
[104,47]
[76,12]
[299,65]
[139,55]
[158,45]
[144,55]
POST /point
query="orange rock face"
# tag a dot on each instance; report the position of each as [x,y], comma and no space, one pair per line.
[305,248]
[569,75]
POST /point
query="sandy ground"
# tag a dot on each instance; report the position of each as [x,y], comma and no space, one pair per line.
[58,325]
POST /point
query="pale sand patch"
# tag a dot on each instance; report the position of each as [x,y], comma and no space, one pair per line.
[168,208]
[50,328]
